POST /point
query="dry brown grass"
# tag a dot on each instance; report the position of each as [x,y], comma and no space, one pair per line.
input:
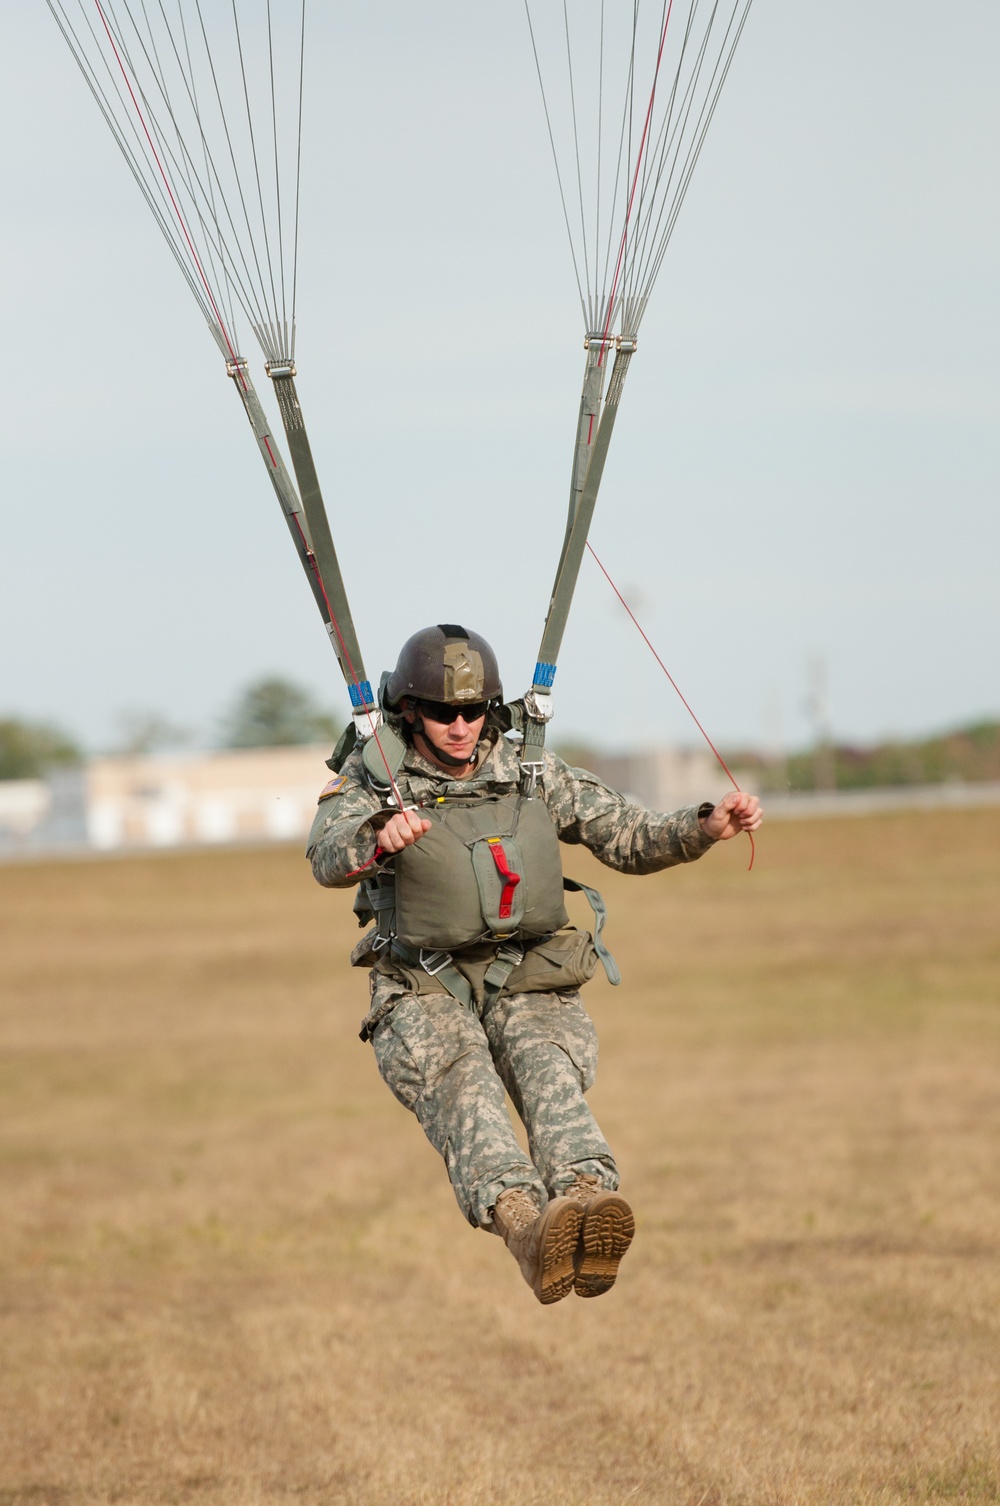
[233,1272]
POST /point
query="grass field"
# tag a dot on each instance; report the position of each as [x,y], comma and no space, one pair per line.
[233,1271]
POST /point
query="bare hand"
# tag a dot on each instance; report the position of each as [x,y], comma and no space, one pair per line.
[735,813]
[401,830]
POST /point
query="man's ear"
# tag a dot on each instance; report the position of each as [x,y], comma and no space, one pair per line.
[409,714]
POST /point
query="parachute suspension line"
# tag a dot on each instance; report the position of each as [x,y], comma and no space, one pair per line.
[149,110]
[576,146]
[298,167]
[246,291]
[214,251]
[672,132]
[694,152]
[660,134]
[600,117]
[170,193]
[635,178]
[102,100]
[555,158]
[256,163]
[159,56]
[288,342]
[590,452]
[684,701]
[185,172]
[183,166]
[637,167]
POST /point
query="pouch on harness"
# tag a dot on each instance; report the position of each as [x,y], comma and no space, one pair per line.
[477,904]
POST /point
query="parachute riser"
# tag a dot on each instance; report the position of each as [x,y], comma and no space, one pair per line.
[538,701]
[282,482]
[598,347]
[324,564]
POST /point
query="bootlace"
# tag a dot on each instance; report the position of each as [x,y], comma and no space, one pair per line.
[585,1187]
[516,1210]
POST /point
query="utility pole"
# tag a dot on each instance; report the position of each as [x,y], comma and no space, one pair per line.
[824,769]
[775,754]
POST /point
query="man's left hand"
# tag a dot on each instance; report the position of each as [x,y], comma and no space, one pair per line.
[735,813]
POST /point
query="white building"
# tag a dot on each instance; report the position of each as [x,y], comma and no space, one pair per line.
[167,800]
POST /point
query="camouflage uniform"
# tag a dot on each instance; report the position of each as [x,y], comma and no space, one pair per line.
[451,1064]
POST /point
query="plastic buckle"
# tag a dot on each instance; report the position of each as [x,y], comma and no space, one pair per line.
[433,962]
[380,942]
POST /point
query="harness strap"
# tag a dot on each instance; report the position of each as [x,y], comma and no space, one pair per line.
[509,955]
[600,909]
[440,966]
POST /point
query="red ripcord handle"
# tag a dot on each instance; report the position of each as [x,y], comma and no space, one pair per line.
[684,701]
[510,878]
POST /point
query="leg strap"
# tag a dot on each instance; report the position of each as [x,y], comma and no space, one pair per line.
[438,965]
[600,909]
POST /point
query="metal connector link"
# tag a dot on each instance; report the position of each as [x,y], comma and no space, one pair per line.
[531,777]
[433,962]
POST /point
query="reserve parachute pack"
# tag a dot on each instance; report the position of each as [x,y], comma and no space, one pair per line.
[477,904]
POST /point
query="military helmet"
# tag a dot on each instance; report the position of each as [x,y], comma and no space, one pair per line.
[445,663]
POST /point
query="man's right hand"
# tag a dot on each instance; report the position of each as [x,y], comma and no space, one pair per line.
[402,830]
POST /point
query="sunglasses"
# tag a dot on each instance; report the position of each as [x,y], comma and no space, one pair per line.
[441,711]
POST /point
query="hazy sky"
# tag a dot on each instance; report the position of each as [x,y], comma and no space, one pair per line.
[807,461]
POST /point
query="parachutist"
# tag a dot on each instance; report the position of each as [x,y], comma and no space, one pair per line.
[475,970]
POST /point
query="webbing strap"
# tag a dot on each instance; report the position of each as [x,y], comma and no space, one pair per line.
[596,901]
[282,482]
[438,965]
[575,544]
[338,619]
[582,503]
[508,956]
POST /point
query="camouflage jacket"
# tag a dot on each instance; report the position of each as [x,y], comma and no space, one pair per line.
[585,812]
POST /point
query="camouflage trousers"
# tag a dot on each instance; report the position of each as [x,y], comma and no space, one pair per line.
[451,1068]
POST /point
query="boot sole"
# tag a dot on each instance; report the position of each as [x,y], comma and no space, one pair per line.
[608,1230]
[556,1273]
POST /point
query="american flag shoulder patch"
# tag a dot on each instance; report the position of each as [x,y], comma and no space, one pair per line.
[333,787]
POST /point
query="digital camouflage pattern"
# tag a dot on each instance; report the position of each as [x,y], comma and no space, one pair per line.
[451,1065]
[451,1068]
[586,813]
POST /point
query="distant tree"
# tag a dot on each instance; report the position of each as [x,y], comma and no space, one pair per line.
[578,755]
[28,750]
[274,713]
[148,732]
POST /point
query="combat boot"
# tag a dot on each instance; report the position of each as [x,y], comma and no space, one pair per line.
[606,1233]
[543,1244]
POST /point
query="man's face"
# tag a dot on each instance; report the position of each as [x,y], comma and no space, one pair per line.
[455,730]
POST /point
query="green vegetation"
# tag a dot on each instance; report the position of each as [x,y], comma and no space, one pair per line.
[29,750]
[968,754]
[275,713]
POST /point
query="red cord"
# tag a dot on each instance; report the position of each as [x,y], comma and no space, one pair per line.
[635,180]
[684,701]
[170,194]
[313,563]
